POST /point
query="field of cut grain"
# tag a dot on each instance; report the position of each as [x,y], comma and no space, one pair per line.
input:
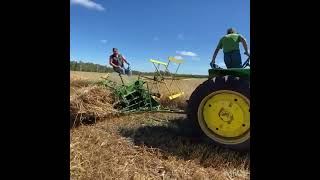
[107,145]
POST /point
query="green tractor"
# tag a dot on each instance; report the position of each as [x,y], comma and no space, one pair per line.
[220,107]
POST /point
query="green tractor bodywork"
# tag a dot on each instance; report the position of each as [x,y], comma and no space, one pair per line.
[237,72]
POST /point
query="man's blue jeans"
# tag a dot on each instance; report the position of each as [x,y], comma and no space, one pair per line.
[233,59]
[122,70]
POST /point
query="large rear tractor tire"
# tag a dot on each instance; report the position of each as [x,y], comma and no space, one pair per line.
[220,110]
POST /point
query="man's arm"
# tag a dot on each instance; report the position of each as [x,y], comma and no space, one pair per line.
[124,59]
[215,54]
[245,45]
[216,51]
[111,63]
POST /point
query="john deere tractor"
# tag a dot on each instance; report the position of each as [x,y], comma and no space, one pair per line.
[220,107]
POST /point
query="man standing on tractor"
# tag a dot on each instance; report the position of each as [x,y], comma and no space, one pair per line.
[230,45]
[117,61]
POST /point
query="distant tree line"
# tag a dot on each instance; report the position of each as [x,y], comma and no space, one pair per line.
[91,67]
[88,67]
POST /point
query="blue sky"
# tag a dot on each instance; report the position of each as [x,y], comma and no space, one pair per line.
[144,29]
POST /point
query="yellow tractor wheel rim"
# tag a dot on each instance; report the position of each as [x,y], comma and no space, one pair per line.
[225,116]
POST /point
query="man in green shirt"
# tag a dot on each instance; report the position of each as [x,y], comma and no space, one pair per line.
[230,45]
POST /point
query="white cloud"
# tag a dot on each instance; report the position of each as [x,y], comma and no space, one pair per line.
[187,53]
[104,41]
[180,36]
[178,57]
[156,38]
[88,4]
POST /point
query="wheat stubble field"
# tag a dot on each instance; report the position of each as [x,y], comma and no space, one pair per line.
[107,145]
